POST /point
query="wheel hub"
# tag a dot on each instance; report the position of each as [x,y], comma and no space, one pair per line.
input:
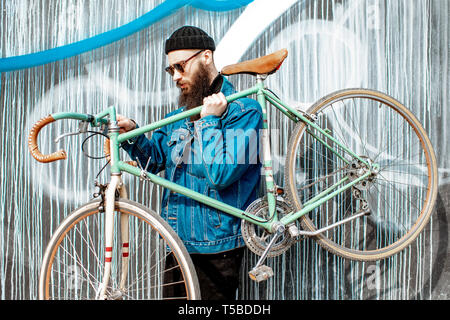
[357,169]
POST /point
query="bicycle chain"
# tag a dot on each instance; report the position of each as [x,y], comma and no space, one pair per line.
[322,178]
[355,191]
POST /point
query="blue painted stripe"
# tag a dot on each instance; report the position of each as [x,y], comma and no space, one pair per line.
[63,52]
[163,10]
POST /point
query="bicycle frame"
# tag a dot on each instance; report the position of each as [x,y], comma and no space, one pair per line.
[273,225]
[263,96]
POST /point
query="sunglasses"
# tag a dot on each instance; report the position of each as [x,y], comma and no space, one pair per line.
[180,65]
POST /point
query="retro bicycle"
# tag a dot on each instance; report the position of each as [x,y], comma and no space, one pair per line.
[360,177]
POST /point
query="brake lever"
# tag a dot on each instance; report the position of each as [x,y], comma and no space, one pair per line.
[82,128]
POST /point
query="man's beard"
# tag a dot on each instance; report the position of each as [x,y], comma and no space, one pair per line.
[199,89]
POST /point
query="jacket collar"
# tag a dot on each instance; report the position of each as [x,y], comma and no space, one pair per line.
[227,87]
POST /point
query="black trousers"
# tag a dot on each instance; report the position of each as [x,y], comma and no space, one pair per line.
[218,275]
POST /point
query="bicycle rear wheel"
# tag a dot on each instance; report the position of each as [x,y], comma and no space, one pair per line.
[400,195]
[73,263]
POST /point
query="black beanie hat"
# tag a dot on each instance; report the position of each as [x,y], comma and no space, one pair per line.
[189,37]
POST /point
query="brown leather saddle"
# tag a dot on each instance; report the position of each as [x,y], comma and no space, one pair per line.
[264,65]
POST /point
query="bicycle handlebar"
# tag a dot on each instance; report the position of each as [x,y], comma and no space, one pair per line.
[61,154]
[33,147]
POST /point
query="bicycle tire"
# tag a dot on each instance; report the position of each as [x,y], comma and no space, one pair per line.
[400,198]
[75,272]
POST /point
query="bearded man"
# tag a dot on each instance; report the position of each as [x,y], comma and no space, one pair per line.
[212,153]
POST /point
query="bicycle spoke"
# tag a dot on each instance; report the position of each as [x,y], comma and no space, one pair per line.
[82,250]
[383,135]
[80,264]
[390,185]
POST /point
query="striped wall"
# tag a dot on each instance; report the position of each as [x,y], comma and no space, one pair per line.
[399,47]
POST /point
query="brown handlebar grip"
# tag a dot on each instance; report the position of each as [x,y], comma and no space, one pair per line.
[33,147]
[107,151]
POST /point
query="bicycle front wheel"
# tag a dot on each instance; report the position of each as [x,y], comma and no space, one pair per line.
[399,194]
[73,263]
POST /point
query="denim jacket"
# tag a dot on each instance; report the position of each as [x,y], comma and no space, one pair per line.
[215,156]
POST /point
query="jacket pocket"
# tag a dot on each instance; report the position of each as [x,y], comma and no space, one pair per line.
[213,228]
[176,146]
[214,216]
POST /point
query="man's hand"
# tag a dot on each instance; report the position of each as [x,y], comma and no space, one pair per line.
[214,105]
[125,124]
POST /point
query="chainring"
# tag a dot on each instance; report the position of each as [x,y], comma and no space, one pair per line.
[257,238]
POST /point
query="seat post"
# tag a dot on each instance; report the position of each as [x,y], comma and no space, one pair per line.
[265,145]
[261,77]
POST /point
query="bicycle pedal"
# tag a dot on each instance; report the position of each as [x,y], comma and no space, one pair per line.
[261,273]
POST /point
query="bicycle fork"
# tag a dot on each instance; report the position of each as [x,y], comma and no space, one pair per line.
[110,195]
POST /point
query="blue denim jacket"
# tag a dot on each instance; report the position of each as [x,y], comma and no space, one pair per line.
[216,156]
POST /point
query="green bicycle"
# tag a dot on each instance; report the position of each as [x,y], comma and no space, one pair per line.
[362,194]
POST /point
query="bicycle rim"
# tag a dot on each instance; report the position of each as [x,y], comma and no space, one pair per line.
[73,263]
[400,197]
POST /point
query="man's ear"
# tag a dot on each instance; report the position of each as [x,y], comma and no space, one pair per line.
[208,56]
